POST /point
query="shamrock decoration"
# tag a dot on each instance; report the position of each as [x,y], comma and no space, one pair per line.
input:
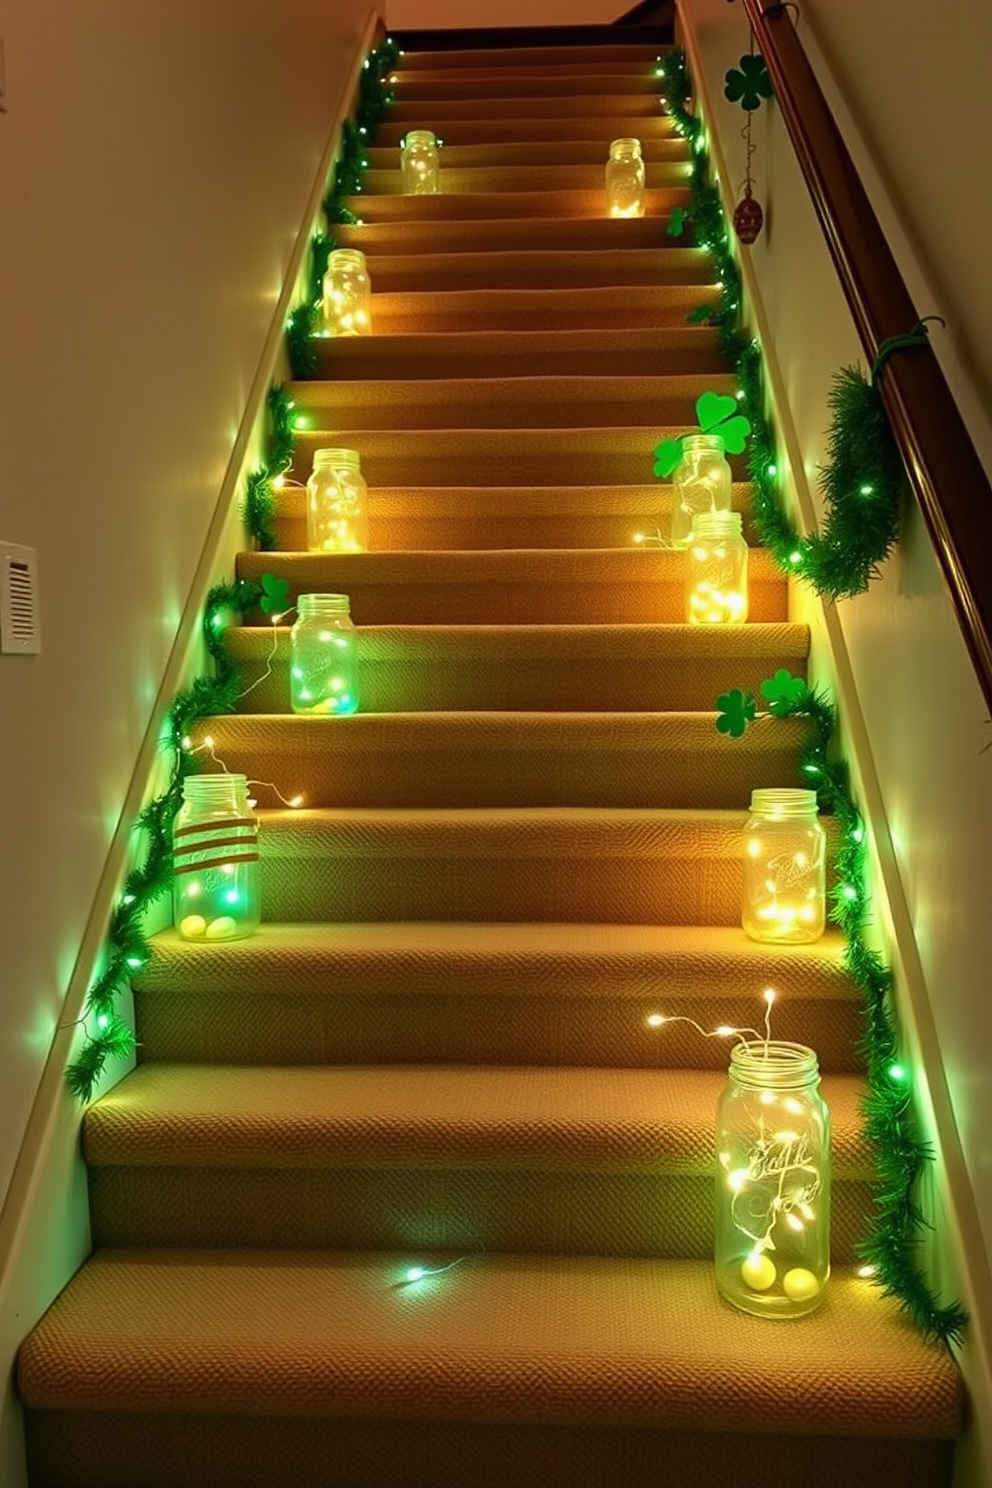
[749,83]
[275,594]
[717,414]
[785,693]
[735,710]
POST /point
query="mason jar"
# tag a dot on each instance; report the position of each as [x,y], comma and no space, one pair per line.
[772,1243]
[625,179]
[337,511]
[324,656]
[784,867]
[701,482]
[215,893]
[347,294]
[716,570]
[419,164]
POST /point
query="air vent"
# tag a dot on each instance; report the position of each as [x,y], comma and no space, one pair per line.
[19,634]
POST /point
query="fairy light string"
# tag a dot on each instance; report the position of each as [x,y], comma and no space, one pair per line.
[862,478]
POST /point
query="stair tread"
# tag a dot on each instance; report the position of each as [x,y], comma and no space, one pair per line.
[570,1340]
[415,1116]
[538,152]
[550,207]
[554,238]
[545,566]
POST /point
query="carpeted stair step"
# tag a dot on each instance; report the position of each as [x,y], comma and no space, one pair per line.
[628,668]
[533,63]
[414,993]
[607,352]
[327,1370]
[560,864]
[459,518]
[618,108]
[478,208]
[571,47]
[564,1161]
[653,760]
[506,402]
[418,86]
[592,586]
[501,180]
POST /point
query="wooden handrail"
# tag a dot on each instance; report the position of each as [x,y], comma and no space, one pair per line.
[943,468]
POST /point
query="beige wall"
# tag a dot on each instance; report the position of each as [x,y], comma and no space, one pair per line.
[156,161]
[895,658]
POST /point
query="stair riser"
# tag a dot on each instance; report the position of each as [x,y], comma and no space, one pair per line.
[626,109]
[342,762]
[366,1017]
[480,208]
[596,234]
[508,402]
[461,684]
[475,303]
[491,887]
[521,152]
[315,1451]
[497,180]
[369,360]
[593,86]
[529,129]
[498,457]
[531,1213]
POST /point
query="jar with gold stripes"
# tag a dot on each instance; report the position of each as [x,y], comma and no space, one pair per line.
[215,859]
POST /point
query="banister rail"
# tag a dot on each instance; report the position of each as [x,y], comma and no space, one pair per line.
[942,465]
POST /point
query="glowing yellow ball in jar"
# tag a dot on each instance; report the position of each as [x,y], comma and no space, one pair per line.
[772,1243]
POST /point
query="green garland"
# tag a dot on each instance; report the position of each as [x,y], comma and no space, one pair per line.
[892,1241]
[259,503]
[127,949]
[863,478]
[374,97]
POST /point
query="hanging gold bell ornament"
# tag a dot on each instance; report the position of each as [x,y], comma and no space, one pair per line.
[748,217]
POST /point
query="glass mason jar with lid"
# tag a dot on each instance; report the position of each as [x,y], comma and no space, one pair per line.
[215,893]
[347,294]
[716,570]
[337,513]
[701,482]
[772,1244]
[625,179]
[324,656]
[420,173]
[784,867]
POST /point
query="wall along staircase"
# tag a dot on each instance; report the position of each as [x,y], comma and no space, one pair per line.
[434,1052]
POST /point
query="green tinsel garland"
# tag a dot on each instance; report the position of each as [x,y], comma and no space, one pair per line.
[259,502]
[127,949]
[374,97]
[863,478]
[891,1244]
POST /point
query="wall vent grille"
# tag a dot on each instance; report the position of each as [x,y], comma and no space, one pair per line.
[19,632]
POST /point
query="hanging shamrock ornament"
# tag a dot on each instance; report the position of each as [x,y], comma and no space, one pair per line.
[747,84]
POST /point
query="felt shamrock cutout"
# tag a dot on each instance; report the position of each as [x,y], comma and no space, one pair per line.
[735,710]
[275,594]
[676,222]
[749,83]
[717,414]
[784,693]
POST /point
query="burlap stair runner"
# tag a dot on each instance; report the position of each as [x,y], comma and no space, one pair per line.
[435,1052]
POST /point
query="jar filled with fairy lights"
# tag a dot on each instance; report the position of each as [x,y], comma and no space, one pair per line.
[716,570]
[701,482]
[420,172]
[347,294]
[772,1243]
[324,656]
[625,179]
[784,867]
[215,859]
[337,510]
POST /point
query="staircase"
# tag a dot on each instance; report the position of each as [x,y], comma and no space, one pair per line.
[434,1053]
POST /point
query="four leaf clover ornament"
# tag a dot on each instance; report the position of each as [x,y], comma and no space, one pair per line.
[748,83]
[275,594]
